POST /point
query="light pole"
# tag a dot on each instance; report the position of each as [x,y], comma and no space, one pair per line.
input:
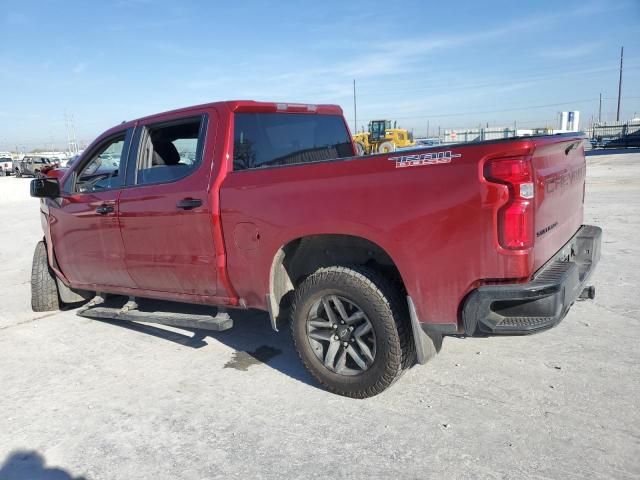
[620,84]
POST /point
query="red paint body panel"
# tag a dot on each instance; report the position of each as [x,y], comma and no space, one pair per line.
[169,249]
[88,246]
[560,183]
[438,222]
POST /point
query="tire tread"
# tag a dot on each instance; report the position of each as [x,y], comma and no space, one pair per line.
[44,290]
[371,284]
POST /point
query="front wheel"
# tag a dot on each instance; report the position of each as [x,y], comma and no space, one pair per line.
[44,290]
[387,147]
[350,330]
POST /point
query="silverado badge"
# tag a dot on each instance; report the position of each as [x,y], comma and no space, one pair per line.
[419,160]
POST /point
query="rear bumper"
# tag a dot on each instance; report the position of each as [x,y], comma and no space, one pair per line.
[523,308]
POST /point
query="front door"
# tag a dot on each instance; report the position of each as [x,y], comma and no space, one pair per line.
[84,221]
[165,213]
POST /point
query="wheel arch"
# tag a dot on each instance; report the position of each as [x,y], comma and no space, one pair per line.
[302,256]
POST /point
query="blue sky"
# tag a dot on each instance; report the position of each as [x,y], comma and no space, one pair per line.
[448,64]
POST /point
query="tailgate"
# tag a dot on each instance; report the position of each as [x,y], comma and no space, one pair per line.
[560,169]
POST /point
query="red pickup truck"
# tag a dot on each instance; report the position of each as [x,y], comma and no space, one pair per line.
[265,205]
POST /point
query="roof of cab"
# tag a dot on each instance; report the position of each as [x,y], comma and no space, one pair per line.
[240,106]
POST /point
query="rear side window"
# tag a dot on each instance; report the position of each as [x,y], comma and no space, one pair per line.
[272,139]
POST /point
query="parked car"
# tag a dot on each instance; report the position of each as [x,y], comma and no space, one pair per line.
[52,165]
[372,259]
[32,166]
[6,166]
[58,170]
[428,142]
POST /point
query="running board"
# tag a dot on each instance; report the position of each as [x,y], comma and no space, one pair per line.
[163,313]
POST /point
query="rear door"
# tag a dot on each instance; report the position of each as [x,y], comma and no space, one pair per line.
[165,213]
[560,170]
[84,222]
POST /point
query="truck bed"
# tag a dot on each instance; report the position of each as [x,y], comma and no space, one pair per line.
[430,209]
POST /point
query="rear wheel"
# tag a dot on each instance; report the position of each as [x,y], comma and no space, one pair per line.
[18,173]
[44,290]
[350,332]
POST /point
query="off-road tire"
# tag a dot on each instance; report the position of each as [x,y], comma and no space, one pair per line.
[384,308]
[44,290]
[387,147]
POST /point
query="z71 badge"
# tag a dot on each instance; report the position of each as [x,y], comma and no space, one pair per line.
[424,159]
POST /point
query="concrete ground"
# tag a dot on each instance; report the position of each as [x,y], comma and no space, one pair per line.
[81,397]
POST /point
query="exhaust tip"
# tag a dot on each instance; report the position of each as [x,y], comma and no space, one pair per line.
[588,293]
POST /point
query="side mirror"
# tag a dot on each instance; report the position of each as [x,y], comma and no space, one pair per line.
[45,188]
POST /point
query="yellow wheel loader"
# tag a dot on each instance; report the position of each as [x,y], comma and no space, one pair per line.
[382,138]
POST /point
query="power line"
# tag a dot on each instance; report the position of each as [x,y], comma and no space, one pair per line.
[483,112]
[449,86]
[506,110]
[530,70]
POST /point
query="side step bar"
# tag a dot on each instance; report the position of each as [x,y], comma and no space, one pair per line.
[163,313]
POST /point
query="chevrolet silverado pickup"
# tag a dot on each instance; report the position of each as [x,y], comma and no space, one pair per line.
[372,259]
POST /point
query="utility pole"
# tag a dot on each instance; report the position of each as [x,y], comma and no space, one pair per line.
[620,84]
[355,110]
[427,128]
[66,127]
[600,110]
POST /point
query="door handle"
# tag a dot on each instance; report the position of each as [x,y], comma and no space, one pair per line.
[104,209]
[189,203]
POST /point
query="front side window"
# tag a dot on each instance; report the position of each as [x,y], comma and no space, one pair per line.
[105,169]
[271,139]
[169,152]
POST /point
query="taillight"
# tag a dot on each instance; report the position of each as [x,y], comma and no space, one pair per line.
[515,219]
